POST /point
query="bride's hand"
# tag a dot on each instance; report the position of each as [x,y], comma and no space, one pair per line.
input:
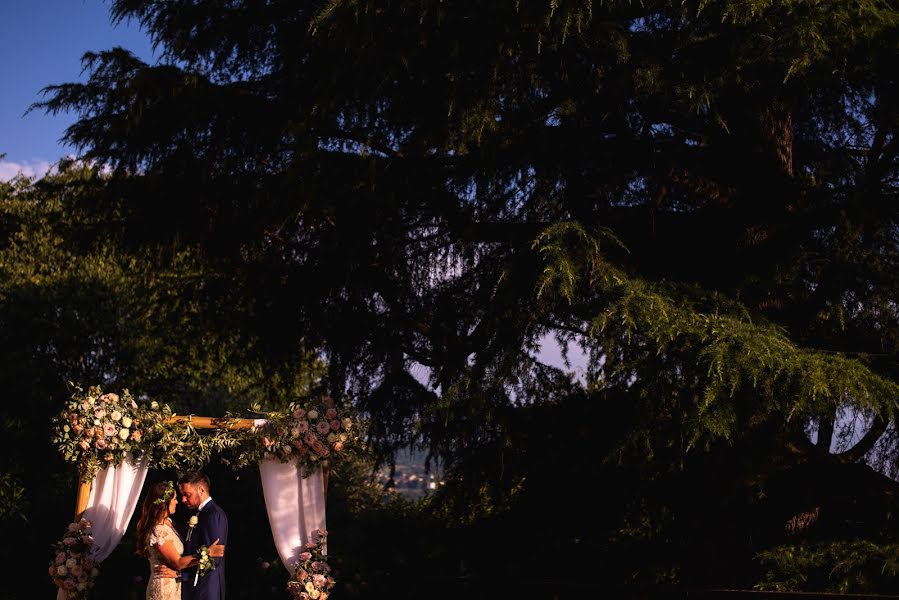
[216,550]
[164,572]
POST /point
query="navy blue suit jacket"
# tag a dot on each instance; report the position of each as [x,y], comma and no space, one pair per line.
[212,524]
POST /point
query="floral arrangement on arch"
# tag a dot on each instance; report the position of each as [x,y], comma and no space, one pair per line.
[312,578]
[309,432]
[97,429]
[71,567]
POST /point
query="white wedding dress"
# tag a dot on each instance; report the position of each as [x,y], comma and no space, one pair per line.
[163,588]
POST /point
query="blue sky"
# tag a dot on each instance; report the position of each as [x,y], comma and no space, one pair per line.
[41,43]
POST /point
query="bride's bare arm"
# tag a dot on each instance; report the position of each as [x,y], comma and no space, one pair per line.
[174,562]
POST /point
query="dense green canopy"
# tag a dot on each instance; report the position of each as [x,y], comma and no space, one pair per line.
[703,195]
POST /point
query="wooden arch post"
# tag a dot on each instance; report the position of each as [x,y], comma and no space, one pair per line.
[84,487]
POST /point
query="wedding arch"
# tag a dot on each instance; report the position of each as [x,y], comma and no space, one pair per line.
[114,442]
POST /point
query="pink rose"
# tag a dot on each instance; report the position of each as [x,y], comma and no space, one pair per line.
[99,413]
[331,414]
[299,413]
[109,429]
[84,444]
[303,426]
[320,448]
[322,427]
[318,580]
[338,446]
[304,556]
[301,573]
[100,444]
[265,565]
[61,558]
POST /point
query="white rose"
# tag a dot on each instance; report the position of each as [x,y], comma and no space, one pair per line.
[343,437]
[154,405]
[124,433]
[332,437]
[347,423]
[313,415]
[96,421]
[62,571]
[116,415]
[126,421]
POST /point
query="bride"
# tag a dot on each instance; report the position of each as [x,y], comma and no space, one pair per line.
[161,544]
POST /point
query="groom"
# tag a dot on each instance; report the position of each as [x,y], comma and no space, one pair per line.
[207,522]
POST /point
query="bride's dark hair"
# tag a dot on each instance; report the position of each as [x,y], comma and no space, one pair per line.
[152,512]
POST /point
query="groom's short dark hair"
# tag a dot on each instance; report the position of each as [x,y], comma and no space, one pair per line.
[196,478]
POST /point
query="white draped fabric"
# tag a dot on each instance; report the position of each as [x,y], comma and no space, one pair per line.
[110,505]
[113,498]
[295,505]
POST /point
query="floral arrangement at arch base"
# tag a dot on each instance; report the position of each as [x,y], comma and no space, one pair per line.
[71,566]
[312,578]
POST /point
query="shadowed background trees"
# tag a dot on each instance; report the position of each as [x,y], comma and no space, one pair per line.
[334,195]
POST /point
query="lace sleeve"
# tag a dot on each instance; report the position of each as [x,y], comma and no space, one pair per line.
[161,534]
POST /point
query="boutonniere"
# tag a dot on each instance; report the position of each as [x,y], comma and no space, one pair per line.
[191,523]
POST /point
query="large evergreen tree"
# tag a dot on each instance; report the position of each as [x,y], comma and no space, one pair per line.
[701,194]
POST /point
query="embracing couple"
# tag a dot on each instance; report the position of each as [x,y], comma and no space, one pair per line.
[188,564]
